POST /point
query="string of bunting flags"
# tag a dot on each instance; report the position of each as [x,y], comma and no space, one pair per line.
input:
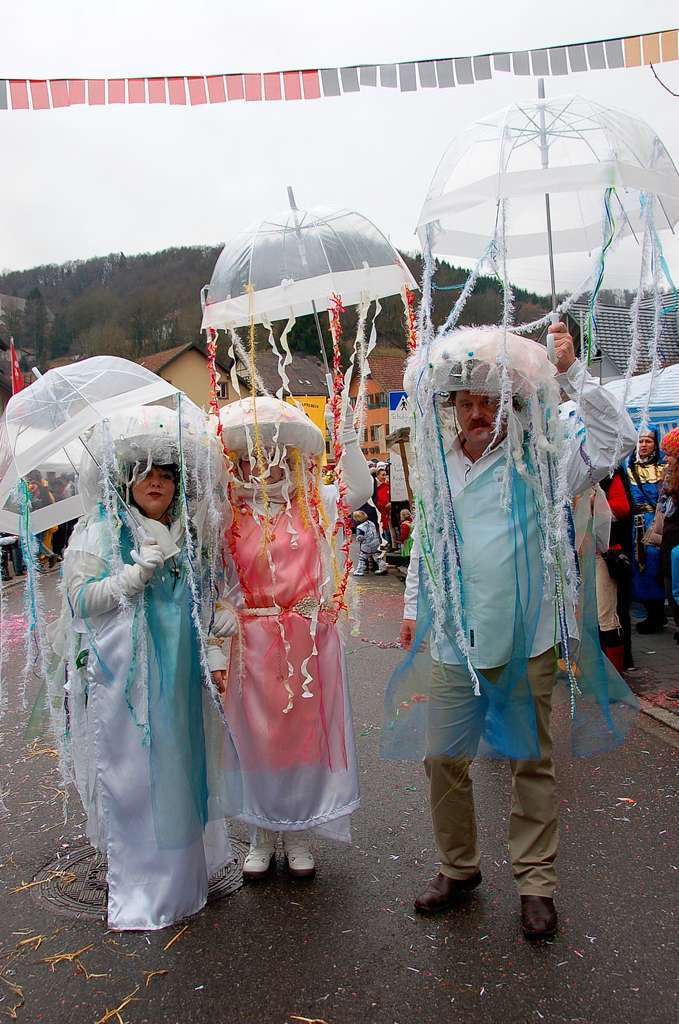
[310,84]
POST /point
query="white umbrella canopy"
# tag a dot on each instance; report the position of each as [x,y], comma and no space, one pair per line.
[295,260]
[41,427]
[568,147]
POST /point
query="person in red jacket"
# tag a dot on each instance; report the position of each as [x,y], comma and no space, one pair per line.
[382,499]
[618,559]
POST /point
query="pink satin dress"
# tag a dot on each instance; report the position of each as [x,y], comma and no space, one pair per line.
[287,701]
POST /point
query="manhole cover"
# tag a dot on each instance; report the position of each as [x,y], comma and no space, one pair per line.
[76,883]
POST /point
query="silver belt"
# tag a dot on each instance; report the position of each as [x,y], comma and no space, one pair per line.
[307,607]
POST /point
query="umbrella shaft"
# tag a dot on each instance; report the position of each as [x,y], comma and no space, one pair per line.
[328,374]
[550,250]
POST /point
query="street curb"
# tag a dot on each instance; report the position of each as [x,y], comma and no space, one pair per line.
[667,718]
[16,581]
[12,584]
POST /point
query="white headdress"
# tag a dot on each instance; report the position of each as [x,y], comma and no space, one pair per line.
[270,422]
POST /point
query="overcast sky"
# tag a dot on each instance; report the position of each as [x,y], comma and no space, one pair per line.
[85,181]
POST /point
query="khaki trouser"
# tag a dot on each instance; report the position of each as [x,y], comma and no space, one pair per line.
[606,597]
[533,828]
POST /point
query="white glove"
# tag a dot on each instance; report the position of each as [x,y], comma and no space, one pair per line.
[226,621]
[148,558]
[92,596]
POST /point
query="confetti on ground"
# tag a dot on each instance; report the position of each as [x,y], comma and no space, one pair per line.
[59,958]
[307,1020]
[175,938]
[18,992]
[115,1013]
[112,942]
[14,629]
[43,752]
[384,645]
[153,974]
[67,876]
[81,969]
[35,942]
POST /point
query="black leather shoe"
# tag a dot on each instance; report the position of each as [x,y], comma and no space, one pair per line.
[538,917]
[442,892]
[647,626]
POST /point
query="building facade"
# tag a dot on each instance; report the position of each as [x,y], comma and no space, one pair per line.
[186,368]
[386,374]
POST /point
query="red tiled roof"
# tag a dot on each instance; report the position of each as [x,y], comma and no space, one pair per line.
[157,361]
[387,368]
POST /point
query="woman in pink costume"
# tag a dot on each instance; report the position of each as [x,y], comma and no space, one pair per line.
[286,696]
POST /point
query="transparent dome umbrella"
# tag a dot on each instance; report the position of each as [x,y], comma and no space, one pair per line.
[45,426]
[551,161]
[291,264]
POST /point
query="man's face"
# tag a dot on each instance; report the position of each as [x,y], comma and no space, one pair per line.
[646,446]
[476,417]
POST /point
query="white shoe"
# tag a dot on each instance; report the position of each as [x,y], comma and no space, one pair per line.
[358,572]
[259,858]
[298,856]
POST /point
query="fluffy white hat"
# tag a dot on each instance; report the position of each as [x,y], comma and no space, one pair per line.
[467,359]
[278,423]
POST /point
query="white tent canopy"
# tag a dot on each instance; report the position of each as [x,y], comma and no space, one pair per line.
[663,410]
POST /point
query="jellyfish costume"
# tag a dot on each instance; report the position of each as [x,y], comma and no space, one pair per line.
[287,699]
[495,577]
[140,725]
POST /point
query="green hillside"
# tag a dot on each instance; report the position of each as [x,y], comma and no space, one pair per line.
[135,305]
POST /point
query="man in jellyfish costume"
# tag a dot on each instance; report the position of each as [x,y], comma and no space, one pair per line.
[141,721]
[494,573]
[286,696]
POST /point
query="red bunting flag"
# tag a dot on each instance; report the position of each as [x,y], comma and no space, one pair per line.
[35,93]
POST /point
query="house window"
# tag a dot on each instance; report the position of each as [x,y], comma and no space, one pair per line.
[375,433]
[223,389]
[377,400]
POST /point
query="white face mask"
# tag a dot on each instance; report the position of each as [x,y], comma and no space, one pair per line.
[253,490]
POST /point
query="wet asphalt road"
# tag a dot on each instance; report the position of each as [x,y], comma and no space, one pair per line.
[346,947]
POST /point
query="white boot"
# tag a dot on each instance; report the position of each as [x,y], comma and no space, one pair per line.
[298,856]
[382,567]
[262,851]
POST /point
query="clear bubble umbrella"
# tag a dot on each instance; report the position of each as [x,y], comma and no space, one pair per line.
[553,177]
[568,148]
[45,425]
[296,263]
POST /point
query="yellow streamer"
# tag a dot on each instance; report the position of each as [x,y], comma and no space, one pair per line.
[258,449]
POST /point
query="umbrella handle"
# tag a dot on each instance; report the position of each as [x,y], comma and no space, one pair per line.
[551,351]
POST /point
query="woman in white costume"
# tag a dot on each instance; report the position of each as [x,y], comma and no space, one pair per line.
[152,761]
[286,696]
